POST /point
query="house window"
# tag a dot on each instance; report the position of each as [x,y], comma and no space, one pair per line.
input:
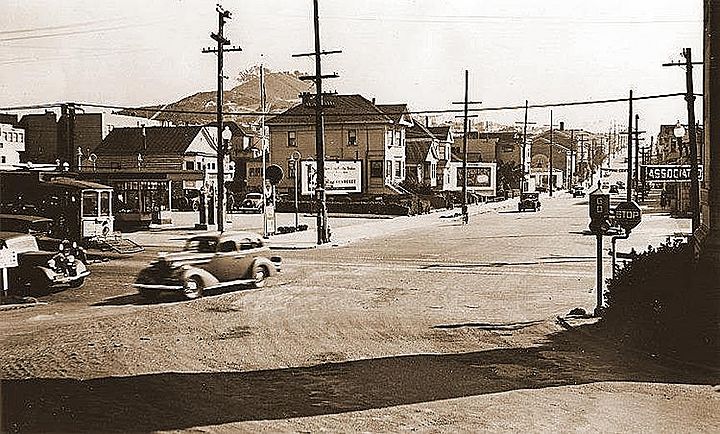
[376,169]
[189,165]
[21,137]
[292,138]
[388,169]
[2,159]
[398,169]
[433,170]
[396,135]
[352,137]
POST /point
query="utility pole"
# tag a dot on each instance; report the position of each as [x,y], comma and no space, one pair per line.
[526,156]
[690,100]
[637,155]
[465,103]
[583,161]
[219,37]
[323,235]
[629,148]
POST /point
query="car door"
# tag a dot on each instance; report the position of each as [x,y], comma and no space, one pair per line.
[223,264]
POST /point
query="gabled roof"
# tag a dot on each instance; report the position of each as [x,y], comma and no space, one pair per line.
[419,131]
[340,109]
[157,141]
[397,112]
[443,133]
[417,152]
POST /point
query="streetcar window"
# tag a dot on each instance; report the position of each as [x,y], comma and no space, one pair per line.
[89,204]
[104,203]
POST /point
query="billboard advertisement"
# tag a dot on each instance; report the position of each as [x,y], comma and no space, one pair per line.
[481,177]
[341,177]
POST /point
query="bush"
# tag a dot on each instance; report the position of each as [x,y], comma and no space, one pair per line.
[662,301]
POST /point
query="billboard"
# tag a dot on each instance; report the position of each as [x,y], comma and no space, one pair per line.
[341,177]
[481,177]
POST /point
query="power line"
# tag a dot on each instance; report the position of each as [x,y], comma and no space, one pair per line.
[260,113]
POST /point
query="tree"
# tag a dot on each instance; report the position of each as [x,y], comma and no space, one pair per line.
[509,174]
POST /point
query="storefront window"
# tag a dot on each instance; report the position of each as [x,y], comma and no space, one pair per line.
[104,203]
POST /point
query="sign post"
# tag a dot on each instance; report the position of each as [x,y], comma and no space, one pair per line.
[8,259]
[599,224]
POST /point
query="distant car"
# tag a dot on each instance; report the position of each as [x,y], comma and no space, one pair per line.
[529,200]
[620,184]
[252,204]
[209,262]
[578,191]
[614,189]
[39,271]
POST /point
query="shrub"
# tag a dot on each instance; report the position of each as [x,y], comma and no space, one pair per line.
[662,301]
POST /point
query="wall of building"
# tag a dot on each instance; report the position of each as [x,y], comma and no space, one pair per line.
[12,143]
[41,138]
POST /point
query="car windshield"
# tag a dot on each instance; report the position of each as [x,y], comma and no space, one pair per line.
[201,245]
[21,244]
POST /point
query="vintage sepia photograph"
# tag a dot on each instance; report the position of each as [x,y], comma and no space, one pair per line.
[369,216]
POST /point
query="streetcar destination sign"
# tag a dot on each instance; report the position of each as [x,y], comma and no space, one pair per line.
[670,173]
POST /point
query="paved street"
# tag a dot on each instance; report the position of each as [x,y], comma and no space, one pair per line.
[397,330]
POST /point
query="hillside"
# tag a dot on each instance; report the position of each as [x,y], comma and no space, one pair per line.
[282,90]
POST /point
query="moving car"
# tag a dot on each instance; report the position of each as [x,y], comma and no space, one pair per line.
[39,271]
[578,191]
[529,200]
[208,262]
[252,203]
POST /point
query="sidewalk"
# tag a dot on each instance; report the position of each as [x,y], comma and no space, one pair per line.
[344,228]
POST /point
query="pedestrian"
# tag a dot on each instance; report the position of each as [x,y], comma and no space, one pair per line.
[663,200]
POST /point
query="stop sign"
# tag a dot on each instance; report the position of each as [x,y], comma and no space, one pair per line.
[628,215]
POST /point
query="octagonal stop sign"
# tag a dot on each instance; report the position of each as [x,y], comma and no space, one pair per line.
[628,215]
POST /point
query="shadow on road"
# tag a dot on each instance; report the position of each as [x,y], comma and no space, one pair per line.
[170,401]
[169,297]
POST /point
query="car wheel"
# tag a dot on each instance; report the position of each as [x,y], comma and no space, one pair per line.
[77,283]
[259,275]
[39,284]
[193,288]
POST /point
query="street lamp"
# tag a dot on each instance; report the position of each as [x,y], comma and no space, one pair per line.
[295,157]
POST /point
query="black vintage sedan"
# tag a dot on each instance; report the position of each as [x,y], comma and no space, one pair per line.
[38,271]
[209,262]
[529,200]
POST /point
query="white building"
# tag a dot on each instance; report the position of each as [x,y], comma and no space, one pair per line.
[12,143]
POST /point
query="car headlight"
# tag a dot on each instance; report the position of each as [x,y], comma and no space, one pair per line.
[70,258]
[51,263]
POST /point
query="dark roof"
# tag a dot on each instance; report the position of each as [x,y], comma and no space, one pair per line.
[441,132]
[76,183]
[341,109]
[418,131]
[158,140]
[394,111]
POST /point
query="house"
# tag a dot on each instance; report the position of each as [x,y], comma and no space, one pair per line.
[562,153]
[421,155]
[445,145]
[355,130]
[12,141]
[157,167]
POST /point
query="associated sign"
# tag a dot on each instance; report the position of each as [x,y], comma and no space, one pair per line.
[341,177]
[628,215]
[669,173]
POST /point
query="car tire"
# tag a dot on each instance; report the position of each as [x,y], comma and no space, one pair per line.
[39,284]
[77,283]
[193,288]
[259,273]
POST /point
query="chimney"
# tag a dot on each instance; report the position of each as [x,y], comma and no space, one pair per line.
[562,126]
[427,121]
[373,100]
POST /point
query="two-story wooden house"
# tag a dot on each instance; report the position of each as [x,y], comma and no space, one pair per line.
[355,130]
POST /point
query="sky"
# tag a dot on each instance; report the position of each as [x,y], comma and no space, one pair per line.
[140,52]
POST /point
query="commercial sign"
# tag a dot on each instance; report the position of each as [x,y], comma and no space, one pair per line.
[481,177]
[8,258]
[341,177]
[628,215]
[669,173]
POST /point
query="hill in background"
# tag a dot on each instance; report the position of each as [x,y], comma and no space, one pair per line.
[282,92]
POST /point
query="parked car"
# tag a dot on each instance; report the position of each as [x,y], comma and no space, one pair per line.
[252,203]
[39,271]
[209,262]
[578,191]
[614,189]
[42,229]
[529,200]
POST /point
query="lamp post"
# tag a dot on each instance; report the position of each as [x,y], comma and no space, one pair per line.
[679,133]
[295,158]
